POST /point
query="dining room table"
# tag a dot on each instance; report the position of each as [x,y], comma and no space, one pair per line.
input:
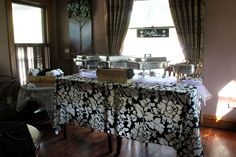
[150,109]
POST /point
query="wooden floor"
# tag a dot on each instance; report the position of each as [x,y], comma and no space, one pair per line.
[81,142]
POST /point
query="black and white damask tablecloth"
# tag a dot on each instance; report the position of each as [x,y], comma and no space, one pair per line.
[162,113]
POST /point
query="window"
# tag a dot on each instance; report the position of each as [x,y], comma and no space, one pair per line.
[28,26]
[152,14]
[32,49]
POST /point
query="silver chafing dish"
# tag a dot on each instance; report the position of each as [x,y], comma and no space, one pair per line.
[91,62]
[184,68]
[154,63]
[143,63]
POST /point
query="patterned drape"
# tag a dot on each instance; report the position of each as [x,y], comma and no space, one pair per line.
[188,17]
[117,19]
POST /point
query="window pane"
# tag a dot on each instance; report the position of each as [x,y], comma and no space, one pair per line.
[158,47]
[27,23]
[152,13]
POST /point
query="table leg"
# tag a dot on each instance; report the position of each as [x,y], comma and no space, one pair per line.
[109,136]
[65,131]
[118,147]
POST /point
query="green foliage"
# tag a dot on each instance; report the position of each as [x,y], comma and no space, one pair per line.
[79,8]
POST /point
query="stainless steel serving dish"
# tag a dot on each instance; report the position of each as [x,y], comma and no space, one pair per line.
[143,63]
[184,68]
[91,62]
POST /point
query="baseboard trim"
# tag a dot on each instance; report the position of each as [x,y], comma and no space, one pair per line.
[224,123]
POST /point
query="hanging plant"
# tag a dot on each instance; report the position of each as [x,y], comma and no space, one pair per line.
[79,8]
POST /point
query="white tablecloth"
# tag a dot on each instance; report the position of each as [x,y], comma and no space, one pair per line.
[42,95]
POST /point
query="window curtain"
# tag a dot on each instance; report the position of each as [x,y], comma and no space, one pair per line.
[188,17]
[117,17]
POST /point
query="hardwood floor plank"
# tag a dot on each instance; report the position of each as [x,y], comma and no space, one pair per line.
[81,142]
[218,142]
